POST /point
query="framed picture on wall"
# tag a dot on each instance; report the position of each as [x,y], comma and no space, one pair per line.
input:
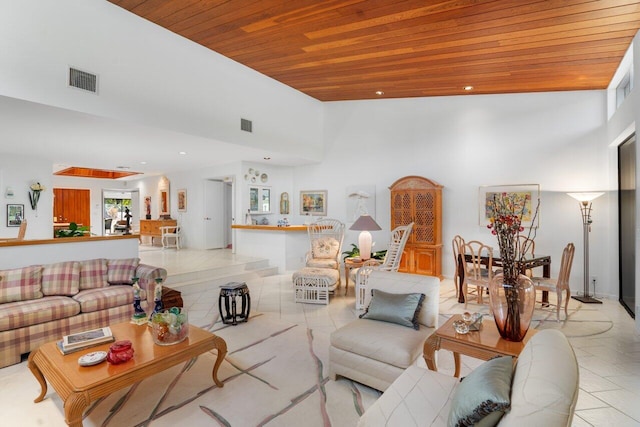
[15,215]
[527,195]
[182,200]
[313,202]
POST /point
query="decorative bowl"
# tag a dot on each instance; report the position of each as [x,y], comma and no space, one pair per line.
[170,326]
[461,326]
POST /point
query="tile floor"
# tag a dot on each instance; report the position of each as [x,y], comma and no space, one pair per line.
[609,362]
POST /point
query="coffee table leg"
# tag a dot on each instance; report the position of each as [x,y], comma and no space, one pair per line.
[74,407]
[33,367]
[456,361]
[221,346]
[429,350]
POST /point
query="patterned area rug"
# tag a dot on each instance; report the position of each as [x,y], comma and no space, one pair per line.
[275,374]
[582,320]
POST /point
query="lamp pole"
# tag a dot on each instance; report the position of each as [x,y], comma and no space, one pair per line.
[585,200]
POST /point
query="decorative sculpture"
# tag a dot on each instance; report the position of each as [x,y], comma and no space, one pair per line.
[139,317]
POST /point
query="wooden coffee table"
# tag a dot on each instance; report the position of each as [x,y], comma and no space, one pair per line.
[483,344]
[79,386]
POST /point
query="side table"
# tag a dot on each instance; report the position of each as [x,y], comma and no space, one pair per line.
[483,344]
[350,263]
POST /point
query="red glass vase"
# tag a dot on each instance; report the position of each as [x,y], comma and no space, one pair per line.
[512,305]
[120,352]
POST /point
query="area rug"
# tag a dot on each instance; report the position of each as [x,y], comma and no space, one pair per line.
[275,374]
[583,319]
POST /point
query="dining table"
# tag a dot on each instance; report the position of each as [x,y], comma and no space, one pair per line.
[528,262]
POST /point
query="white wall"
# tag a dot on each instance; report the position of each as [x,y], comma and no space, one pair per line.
[552,139]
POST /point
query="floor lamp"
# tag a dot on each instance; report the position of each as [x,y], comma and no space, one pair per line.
[585,200]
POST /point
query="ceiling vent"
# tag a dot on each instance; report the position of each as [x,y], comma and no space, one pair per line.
[246,125]
[83,80]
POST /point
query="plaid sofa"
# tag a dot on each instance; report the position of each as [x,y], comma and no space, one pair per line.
[41,303]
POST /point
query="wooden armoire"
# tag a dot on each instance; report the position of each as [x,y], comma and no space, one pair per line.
[419,200]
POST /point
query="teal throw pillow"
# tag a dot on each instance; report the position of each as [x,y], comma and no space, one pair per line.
[402,309]
[482,396]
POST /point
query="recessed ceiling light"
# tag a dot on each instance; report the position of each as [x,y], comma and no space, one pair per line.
[182,153]
[123,167]
[468,88]
[143,163]
[267,158]
[379,92]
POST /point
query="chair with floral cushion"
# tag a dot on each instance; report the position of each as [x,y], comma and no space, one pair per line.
[325,240]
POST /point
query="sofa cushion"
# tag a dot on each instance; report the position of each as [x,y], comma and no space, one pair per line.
[21,284]
[103,298]
[483,395]
[326,247]
[93,274]
[402,309]
[383,341]
[61,278]
[418,397]
[122,270]
[20,314]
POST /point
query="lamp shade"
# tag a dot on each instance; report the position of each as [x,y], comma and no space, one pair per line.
[586,196]
[365,223]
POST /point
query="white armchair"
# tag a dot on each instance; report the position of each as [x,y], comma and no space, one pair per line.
[375,352]
[325,240]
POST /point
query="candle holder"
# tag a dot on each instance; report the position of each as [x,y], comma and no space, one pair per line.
[157,297]
[139,317]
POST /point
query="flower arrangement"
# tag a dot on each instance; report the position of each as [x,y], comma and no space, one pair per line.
[510,292]
[34,194]
[507,210]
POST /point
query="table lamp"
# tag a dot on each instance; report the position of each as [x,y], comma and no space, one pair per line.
[365,224]
[585,200]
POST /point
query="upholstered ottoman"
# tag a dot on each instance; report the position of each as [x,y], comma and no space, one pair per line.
[314,284]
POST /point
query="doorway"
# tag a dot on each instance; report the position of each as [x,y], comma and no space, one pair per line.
[218,213]
[627,223]
[115,204]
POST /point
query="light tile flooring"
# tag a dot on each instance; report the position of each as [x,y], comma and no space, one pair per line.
[609,362]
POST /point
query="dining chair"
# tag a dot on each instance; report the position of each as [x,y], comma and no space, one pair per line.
[559,285]
[170,236]
[525,245]
[457,245]
[21,233]
[478,271]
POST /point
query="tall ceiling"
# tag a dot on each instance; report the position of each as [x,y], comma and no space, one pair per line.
[350,49]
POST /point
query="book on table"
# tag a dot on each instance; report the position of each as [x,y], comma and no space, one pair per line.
[86,339]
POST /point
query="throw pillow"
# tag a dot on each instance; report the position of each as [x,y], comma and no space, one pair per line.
[21,284]
[402,309]
[482,396]
[61,278]
[325,248]
[122,270]
[93,274]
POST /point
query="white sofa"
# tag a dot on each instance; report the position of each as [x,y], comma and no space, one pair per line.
[544,390]
[374,352]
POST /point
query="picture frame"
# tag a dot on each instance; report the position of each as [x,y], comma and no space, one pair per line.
[182,200]
[529,193]
[15,215]
[313,202]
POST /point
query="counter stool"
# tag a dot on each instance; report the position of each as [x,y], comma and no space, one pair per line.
[314,284]
[228,294]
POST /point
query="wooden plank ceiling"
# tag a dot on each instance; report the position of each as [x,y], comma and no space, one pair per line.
[349,49]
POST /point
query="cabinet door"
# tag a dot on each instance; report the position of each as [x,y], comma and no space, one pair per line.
[424,260]
[425,218]
[72,205]
[406,262]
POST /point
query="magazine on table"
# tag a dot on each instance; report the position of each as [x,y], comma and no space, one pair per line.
[87,339]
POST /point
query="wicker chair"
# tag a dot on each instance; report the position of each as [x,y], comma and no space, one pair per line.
[391,262]
[325,241]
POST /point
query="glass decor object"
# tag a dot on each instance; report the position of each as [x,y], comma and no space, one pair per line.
[170,326]
[120,352]
[139,316]
[512,305]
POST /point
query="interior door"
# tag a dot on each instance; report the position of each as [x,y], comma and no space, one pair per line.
[627,223]
[214,214]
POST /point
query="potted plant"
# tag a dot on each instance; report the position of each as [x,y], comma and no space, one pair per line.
[73,231]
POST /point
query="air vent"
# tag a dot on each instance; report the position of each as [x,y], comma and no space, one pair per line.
[246,125]
[83,80]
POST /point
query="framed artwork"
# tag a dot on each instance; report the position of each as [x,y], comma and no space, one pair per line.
[313,202]
[182,200]
[525,194]
[15,215]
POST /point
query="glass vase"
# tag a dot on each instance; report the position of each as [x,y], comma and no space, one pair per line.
[512,305]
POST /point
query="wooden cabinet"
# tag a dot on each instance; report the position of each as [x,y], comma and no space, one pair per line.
[72,205]
[419,200]
[151,227]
